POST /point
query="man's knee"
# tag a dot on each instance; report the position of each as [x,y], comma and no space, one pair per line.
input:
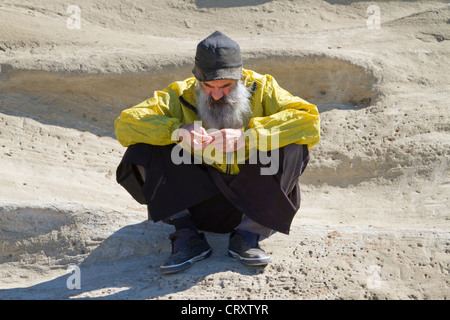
[297,154]
[295,159]
[295,151]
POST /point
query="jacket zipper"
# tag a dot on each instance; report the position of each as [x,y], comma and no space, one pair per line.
[228,159]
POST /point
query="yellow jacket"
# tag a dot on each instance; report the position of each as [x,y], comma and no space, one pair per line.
[278,119]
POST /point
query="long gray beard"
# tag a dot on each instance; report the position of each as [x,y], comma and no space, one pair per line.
[229,112]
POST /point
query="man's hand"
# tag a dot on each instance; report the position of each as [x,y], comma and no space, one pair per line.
[225,140]
[228,140]
[194,136]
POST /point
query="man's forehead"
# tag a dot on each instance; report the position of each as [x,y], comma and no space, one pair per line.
[219,83]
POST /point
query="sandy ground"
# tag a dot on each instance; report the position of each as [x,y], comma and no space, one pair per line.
[374,221]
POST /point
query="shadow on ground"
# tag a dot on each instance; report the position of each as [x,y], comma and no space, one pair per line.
[126,266]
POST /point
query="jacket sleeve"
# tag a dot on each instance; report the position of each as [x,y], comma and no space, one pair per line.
[152,121]
[287,119]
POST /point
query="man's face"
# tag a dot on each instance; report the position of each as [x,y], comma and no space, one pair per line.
[218,88]
[223,104]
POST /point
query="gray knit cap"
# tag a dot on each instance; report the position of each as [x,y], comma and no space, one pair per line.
[218,57]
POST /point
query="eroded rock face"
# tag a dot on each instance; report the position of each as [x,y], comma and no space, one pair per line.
[92,102]
[374,216]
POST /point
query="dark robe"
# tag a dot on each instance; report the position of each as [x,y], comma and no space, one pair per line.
[215,200]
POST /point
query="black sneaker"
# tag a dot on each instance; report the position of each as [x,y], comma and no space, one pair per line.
[193,248]
[244,246]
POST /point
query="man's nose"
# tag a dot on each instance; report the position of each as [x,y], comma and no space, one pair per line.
[217,94]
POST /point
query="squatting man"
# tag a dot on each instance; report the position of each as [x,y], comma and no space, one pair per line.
[230,122]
